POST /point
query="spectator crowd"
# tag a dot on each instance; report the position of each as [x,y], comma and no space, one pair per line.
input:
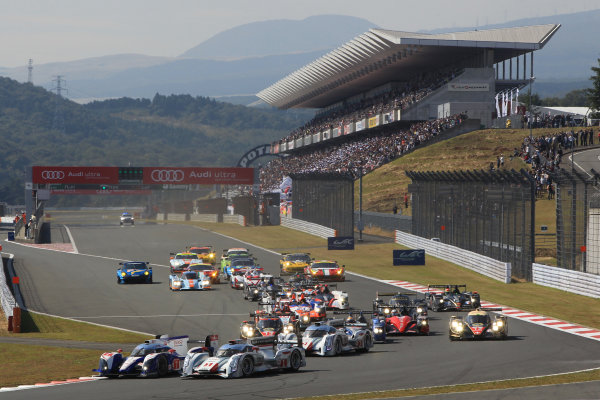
[362,154]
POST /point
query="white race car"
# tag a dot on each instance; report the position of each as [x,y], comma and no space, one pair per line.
[327,340]
[241,358]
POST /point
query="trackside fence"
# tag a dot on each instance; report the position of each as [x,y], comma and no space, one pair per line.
[204,217]
[234,219]
[567,280]
[6,297]
[308,227]
[498,270]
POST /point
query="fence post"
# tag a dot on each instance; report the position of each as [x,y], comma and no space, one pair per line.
[16,320]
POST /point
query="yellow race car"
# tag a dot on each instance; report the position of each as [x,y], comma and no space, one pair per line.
[205,253]
[292,263]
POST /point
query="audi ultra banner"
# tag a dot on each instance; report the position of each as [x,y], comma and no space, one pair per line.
[75,175]
[198,176]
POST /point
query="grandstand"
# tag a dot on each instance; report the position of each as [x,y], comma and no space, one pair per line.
[392,77]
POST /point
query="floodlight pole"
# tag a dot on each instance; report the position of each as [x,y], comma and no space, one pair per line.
[360,210]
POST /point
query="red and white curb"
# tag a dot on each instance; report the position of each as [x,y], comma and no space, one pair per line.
[526,316]
[52,383]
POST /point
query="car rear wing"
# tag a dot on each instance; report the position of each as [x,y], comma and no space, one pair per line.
[263,341]
[446,286]
[386,294]
[489,309]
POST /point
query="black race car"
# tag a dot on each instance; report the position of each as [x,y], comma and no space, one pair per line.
[479,324]
[452,298]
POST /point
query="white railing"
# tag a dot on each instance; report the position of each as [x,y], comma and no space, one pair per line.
[308,227]
[6,297]
[204,217]
[487,266]
[176,217]
[234,219]
[567,280]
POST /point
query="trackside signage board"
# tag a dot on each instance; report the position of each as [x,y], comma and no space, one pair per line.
[340,243]
[75,175]
[198,176]
[409,257]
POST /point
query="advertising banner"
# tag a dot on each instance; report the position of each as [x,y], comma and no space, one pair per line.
[468,87]
[373,121]
[75,175]
[360,125]
[198,175]
[336,132]
[98,191]
[326,134]
[347,129]
[340,243]
[388,117]
[409,257]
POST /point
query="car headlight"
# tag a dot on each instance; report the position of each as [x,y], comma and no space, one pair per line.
[423,322]
[495,327]
[146,273]
[419,309]
[441,300]
[250,331]
[123,274]
[289,328]
[255,291]
[177,283]
[206,282]
[500,323]
[245,328]
[212,256]
[386,310]
[305,318]
[378,330]
[339,271]
[317,309]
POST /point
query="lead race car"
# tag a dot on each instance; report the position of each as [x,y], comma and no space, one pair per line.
[479,324]
[337,336]
[451,298]
[242,358]
[153,358]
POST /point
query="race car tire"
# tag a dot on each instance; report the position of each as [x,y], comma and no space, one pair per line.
[337,347]
[368,344]
[295,361]
[162,366]
[247,366]
[121,223]
[452,338]
[149,280]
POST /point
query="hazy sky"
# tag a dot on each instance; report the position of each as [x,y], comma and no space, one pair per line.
[66,30]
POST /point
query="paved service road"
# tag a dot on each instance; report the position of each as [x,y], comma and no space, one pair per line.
[83,286]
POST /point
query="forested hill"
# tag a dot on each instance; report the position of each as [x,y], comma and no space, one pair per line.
[39,128]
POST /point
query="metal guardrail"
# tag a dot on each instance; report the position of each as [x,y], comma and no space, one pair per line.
[6,297]
[204,217]
[234,219]
[487,266]
[567,280]
[308,227]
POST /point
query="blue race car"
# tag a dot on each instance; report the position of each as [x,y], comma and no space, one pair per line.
[153,358]
[134,271]
[191,280]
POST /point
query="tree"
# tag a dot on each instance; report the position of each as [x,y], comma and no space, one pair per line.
[594,92]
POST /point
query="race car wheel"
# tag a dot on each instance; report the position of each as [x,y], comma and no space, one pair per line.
[337,347]
[247,366]
[368,344]
[295,360]
[149,280]
[162,366]
[119,281]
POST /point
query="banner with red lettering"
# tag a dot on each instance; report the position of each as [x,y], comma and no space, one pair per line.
[198,176]
[75,175]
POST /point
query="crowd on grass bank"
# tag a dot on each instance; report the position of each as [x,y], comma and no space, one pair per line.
[360,154]
[396,99]
[544,154]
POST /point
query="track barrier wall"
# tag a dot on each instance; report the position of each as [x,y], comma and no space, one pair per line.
[567,280]
[308,227]
[498,270]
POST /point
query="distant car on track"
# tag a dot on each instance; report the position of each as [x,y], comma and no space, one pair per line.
[134,271]
[292,263]
[180,261]
[205,253]
[190,280]
[324,270]
[127,218]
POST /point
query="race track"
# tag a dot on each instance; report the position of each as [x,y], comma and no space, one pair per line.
[83,286]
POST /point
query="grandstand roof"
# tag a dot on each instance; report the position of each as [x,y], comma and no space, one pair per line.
[380,56]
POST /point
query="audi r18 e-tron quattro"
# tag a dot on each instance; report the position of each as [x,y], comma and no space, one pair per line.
[134,271]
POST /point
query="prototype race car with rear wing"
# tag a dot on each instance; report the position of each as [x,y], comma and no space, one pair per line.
[337,336]
[397,301]
[252,280]
[242,358]
[153,358]
[232,252]
[180,261]
[237,263]
[190,280]
[479,324]
[406,321]
[450,297]
[324,270]
[207,269]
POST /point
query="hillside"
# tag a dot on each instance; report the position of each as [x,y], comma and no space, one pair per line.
[167,130]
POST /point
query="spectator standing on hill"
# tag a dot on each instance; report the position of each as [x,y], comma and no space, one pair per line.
[395,209]
[405,200]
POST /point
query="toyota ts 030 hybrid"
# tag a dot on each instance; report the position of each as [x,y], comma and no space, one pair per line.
[479,324]
[292,263]
[240,358]
[153,358]
[134,271]
[337,336]
[451,298]
[180,261]
[189,280]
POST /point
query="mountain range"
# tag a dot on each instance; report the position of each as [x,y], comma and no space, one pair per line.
[236,64]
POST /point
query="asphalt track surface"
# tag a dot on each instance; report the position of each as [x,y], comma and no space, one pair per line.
[83,286]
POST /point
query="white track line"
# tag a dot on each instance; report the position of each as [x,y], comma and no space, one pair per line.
[71,239]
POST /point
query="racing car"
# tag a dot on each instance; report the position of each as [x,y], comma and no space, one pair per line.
[337,336]
[205,253]
[239,262]
[324,270]
[153,358]
[405,321]
[397,301]
[232,252]
[479,324]
[241,358]
[189,280]
[180,261]
[134,271]
[126,218]
[207,269]
[292,263]
[451,299]
[252,279]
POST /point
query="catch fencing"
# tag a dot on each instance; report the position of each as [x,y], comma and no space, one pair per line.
[578,221]
[325,199]
[491,213]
